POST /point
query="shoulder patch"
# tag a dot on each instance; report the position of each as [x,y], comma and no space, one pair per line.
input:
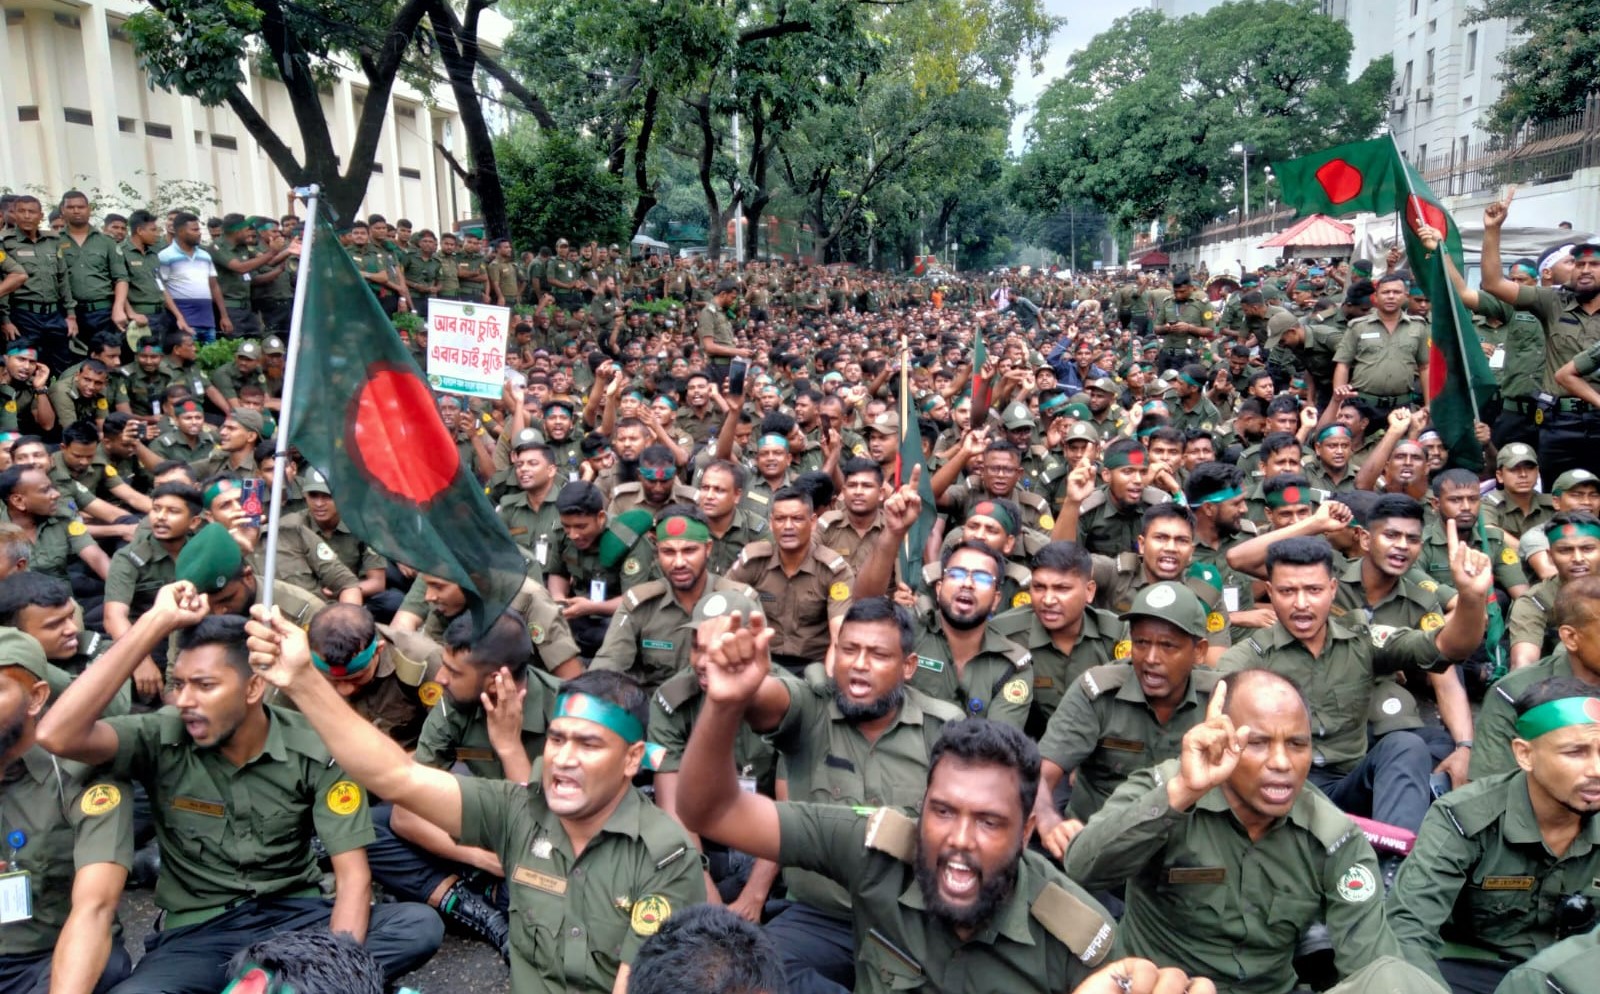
[889,831]
[755,550]
[1098,680]
[677,691]
[1079,926]
[645,591]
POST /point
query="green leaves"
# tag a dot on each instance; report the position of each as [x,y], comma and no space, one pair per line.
[555,187]
[1555,66]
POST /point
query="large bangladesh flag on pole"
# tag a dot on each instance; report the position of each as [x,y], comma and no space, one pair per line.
[362,414]
[1372,176]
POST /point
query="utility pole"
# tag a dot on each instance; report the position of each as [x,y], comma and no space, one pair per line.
[738,201]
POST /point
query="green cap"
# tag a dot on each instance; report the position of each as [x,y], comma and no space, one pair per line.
[1277,325]
[313,482]
[623,533]
[18,648]
[1173,603]
[1083,429]
[210,559]
[250,419]
[1018,416]
[1516,454]
[720,604]
[1572,478]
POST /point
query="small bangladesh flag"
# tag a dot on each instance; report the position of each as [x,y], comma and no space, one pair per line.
[910,456]
[1372,176]
[362,414]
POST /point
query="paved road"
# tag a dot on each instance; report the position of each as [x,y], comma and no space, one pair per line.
[460,964]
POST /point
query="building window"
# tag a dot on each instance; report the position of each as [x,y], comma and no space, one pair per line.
[27,113]
[406,172]
[1433,26]
[1405,81]
[75,115]
[225,141]
[1472,50]
[1422,156]
[1414,7]
[157,130]
[1466,103]
[125,125]
[1463,148]
[377,167]
[1428,61]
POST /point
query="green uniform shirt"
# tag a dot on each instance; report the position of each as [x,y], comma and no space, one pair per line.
[1203,897]
[41,258]
[227,378]
[1105,730]
[1384,363]
[455,733]
[673,710]
[59,541]
[235,286]
[1533,616]
[1520,353]
[536,529]
[1568,328]
[138,570]
[1107,529]
[714,324]
[503,275]
[576,919]
[1435,558]
[1049,933]
[71,817]
[1496,724]
[144,278]
[1205,416]
[1415,602]
[1481,875]
[1502,513]
[997,683]
[311,561]
[93,269]
[547,627]
[1568,967]
[1339,684]
[449,274]
[745,529]
[146,391]
[229,833]
[1196,311]
[71,406]
[1054,671]
[650,635]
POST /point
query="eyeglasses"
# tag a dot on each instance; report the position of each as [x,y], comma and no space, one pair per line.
[979,578]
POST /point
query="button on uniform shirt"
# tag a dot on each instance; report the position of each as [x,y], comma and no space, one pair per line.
[1047,934]
[1203,897]
[230,833]
[460,732]
[1481,874]
[1105,730]
[93,269]
[1384,363]
[575,919]
[997,683]
[40,257]
[69,817]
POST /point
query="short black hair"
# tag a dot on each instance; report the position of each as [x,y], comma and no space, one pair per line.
[861,464]
[1552,689]
[873,609]
[1457,477]
[225,630]
[26,589]
[816,485]
[740,475]
[1278,440]
[1311,550]
[973,545]
[978,740]
[1065,557]
[505,644]
[792,493]
[189,495]
[313,961]
[618,688]
[1388,506]
[339,632]
[707,949]
[1159,512]
[580,497]
[80,433]
[1209,478]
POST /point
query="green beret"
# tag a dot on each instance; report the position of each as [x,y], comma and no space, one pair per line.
[18,648]
[615,541]
[250,420]
[210,559]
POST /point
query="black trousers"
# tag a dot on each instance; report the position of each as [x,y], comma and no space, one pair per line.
[818,950]
[30,974]
[1566,441]
[45,332]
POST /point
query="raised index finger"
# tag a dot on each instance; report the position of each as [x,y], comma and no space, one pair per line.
[1452,541]
[1219,700]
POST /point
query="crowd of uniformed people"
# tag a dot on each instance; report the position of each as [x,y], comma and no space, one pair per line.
[1201,587]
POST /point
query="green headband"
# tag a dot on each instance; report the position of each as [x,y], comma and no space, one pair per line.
[216,490]
[670,402]
[1572,530]
[989,509]
[1185,377]
[778,440]
[1323,435]
[1553,715]
[1227,493]
[355,665]
[587,707]
[1125,457]
[680,528]
[1291,495]
[1525,270]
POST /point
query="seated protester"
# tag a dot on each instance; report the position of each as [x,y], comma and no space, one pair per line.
[1384,591]
[1336,661]
[119,440]
[1574,550]
[1505,866]
[188,439]
[646,638]
[60,538]
[235,452]
[1574,490]
[1576,613]
[414,859]
[1517,507]
[1332,470]
[1398,464]
[998,474]
[231,871]
[656,486]
[1455,495]
[930,903]
[1566,967]
[707,949]
[585,855]
[318,552]
[42,607]
[596,560]
[732,527]
[81,472]
[1165,551]
[529,511]
[1108,520]
[1198,447]
[82,395]
[75,851]
[737,879]
[434,603]
[391,678]
[1214,493]
[996,523]
[851,528]
[1063,633]
[774,461]
[1117,719]
[145,565]
[1227,856]
[1280,456]
[15,550]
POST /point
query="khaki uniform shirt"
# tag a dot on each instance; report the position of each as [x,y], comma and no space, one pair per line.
[834,531]
[1568,328]
[799,606]
[547,627]
[1384,363]
[1205,898]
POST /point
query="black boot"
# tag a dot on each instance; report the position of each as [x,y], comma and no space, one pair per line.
[470,913]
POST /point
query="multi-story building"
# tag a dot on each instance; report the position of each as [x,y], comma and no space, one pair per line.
[76,110]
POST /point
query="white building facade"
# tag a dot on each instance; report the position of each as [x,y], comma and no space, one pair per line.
[76,110]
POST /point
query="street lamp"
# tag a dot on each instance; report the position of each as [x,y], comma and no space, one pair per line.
[1244,149]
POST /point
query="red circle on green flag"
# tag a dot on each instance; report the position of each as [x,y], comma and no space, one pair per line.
[1340,180]
[1438,372]
[1430,214]
[396,437]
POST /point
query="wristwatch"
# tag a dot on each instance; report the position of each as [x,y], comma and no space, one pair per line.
[1464,744]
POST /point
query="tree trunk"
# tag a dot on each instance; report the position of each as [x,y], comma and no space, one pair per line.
[756,198]
[458,49]
[708,148]
[641,162]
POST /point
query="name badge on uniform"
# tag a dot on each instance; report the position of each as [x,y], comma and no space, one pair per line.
[1508,883]
[539,881]
[1230,598]
[1197,875]
[467,753]
[1370,334]
[655,644]
[16,898]
[1122,745]
[597,590]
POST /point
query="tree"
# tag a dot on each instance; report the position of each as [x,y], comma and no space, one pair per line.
[557,187]
[193,47]
[1555,66]
[1143,122]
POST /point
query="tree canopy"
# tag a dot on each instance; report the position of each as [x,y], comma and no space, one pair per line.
[1555,65]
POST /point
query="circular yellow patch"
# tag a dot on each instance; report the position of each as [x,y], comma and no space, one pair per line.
[649,913]
[101,404]
[1428,585]
[1432,620]
[1210,315]
[1015,691]
[1022,598]
[1123,650]
[111,472]
[344,798]
[1215,622]
[1508,556]
[631,567]
[1538,417]
[11,407]
[99,799]
[429,693]
[839,591]
[1047,521]
[76,528]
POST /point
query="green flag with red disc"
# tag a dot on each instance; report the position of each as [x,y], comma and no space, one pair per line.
[362,414]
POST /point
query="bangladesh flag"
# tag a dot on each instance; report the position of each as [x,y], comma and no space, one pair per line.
[911,455]
[1372,176]
[362,414]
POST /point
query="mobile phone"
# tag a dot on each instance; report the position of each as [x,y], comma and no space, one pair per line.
[252,501]
[736,371]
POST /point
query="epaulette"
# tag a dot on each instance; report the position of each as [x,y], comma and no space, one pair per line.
[829,518]
[1494,498]
[1248,527]
[1094,500]
[835,565]
[133,557]
[663,837]
[413,653]
[1020,573]
[1112,676]
[1028,498]
[889,831]
[1473,814]
[1081,928]
[678,690]
[755,550]
[1330,826]
[1128,562]
[648,590]
[626,488]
